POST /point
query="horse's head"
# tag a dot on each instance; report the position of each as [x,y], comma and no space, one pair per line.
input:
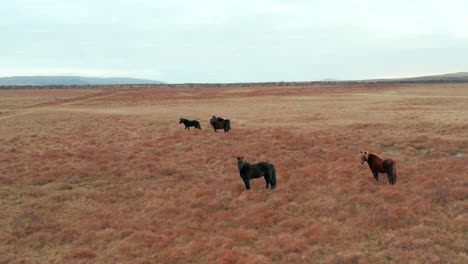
[181,121]
[241,162]
[364,156]
[213,120]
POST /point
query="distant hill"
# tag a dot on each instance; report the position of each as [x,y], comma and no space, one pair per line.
[329,80]
[69,80]
[450,77]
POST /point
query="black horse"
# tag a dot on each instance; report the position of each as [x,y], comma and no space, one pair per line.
[220,123]
[190,123]
[252,171]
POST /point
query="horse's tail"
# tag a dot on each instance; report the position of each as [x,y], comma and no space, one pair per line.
[273,177]
[227,124]
[198,125]
[394,174]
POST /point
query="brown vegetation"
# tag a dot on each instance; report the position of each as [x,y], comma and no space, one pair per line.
[108,175]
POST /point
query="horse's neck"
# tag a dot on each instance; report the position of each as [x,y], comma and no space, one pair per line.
[372,158]
[245,167]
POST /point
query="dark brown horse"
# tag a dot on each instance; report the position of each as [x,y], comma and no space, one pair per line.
[220,123]
[252,171]
[190,123]
[377,165]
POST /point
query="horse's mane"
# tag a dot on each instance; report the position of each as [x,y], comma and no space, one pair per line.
[371,157]
[217,119]
[246,164]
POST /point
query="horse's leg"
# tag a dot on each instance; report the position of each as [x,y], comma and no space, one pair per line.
[247,184]
[390,177]
[376,175]
[267,181]
[393,173]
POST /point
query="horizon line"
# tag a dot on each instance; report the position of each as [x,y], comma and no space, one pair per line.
[323,80]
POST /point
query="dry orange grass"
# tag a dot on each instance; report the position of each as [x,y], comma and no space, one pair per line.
[93,176]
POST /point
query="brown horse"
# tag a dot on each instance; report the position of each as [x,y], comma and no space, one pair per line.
[220,123]
[377,165]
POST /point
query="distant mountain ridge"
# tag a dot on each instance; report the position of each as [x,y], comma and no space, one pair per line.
[449,77]
[69,80]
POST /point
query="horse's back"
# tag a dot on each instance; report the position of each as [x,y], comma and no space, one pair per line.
[265,166]
[258,169]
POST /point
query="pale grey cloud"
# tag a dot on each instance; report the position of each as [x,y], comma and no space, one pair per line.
[228,40]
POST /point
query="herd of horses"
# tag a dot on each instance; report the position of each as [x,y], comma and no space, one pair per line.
[249,171]
[216,123]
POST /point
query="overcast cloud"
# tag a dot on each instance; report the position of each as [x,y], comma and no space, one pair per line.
[233,40]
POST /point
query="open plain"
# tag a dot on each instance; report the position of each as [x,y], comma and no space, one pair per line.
[108,175]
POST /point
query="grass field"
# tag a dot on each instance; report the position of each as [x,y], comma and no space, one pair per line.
[108,175]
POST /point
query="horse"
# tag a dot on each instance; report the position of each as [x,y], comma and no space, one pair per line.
[220,123]
[377,165]
[252,171]
[189,123]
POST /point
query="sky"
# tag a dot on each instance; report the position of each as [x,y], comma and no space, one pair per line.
[206,41]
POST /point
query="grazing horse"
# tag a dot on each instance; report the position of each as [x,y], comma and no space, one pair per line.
[377,165]
[189,123]
[220,123]
[252,171]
